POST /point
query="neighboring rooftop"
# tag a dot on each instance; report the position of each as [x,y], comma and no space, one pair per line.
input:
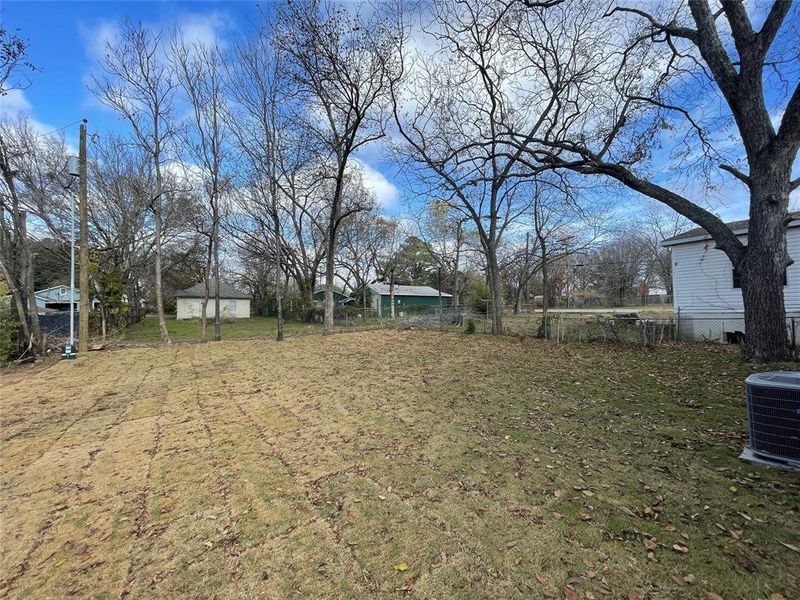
[406,290]
[335,290]
[226,290]
[740,227]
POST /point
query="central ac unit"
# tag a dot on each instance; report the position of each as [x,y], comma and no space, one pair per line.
[773,407]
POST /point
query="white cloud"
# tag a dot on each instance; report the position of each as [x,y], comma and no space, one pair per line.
[386,193]
[15,103]
[97,36]
[195,28]
[205,29]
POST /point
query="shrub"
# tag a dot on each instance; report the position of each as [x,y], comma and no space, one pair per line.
[470,327]
[478,293]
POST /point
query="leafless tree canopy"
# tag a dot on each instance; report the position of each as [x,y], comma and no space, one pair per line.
[518,130]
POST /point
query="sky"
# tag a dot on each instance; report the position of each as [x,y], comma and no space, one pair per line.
[66,41]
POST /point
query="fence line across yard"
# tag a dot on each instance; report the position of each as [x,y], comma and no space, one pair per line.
[565,327]
[561,327]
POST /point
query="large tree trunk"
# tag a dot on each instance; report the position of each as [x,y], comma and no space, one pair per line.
[523,277]
[391,294]
[162,321]
[206,294]
[329,272]
[456,280]
[439,280]
[278,266]
[518,298]
[495,289]
[37,344]
[204,310]
[279,305]
[20,303]
[364,299]
[544,326]
[215,244]
[762,268]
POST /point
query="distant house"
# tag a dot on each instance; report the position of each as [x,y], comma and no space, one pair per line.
[705,286]
[57,298]
[233,303]
[338,297]
[405,296]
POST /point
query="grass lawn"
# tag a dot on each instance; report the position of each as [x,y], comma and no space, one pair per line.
[391,464]
[188,330]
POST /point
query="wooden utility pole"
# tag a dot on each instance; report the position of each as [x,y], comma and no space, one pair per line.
[83,277]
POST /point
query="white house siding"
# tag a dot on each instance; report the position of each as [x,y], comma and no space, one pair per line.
[190,308]
[703,292]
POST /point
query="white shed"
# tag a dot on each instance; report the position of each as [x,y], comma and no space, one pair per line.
[706,294]
[233,303]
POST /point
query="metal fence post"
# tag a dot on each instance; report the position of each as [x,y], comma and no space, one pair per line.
[678,324]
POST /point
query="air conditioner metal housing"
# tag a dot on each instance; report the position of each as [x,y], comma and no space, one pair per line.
[773,410]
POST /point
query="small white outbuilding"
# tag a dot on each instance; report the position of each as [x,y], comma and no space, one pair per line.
[233,303]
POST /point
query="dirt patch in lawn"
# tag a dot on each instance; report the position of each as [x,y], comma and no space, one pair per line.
[388,464]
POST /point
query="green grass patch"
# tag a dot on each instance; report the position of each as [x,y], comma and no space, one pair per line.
[147,331]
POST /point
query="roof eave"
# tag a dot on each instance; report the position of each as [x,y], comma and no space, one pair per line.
[695,238]
[675,241]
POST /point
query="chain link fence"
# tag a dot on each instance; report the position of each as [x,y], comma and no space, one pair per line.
[568,327]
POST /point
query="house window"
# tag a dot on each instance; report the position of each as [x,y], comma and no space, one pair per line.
[232,306]
[737,282]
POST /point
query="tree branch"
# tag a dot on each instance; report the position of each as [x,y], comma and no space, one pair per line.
[669,28]
[736,173]
[772,24]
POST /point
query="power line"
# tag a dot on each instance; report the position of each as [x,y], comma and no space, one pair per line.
[64,127]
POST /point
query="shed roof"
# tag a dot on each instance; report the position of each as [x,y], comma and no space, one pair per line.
[225,291]
[406,290]
[698,234]
[317,290]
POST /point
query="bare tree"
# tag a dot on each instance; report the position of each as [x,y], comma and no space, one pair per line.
[32,185]
[343,63]
[440,231]
[282,195]
[454,114]
[201,72]
[656,225]
[139,85]
[16,258]
[619,267]
[120,225]
[14,62]
[359,243]
[390,234]
[658,76]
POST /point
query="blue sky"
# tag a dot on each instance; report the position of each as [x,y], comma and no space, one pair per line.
[66,39]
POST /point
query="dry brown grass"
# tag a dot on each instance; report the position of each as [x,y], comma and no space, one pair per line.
[320,467]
